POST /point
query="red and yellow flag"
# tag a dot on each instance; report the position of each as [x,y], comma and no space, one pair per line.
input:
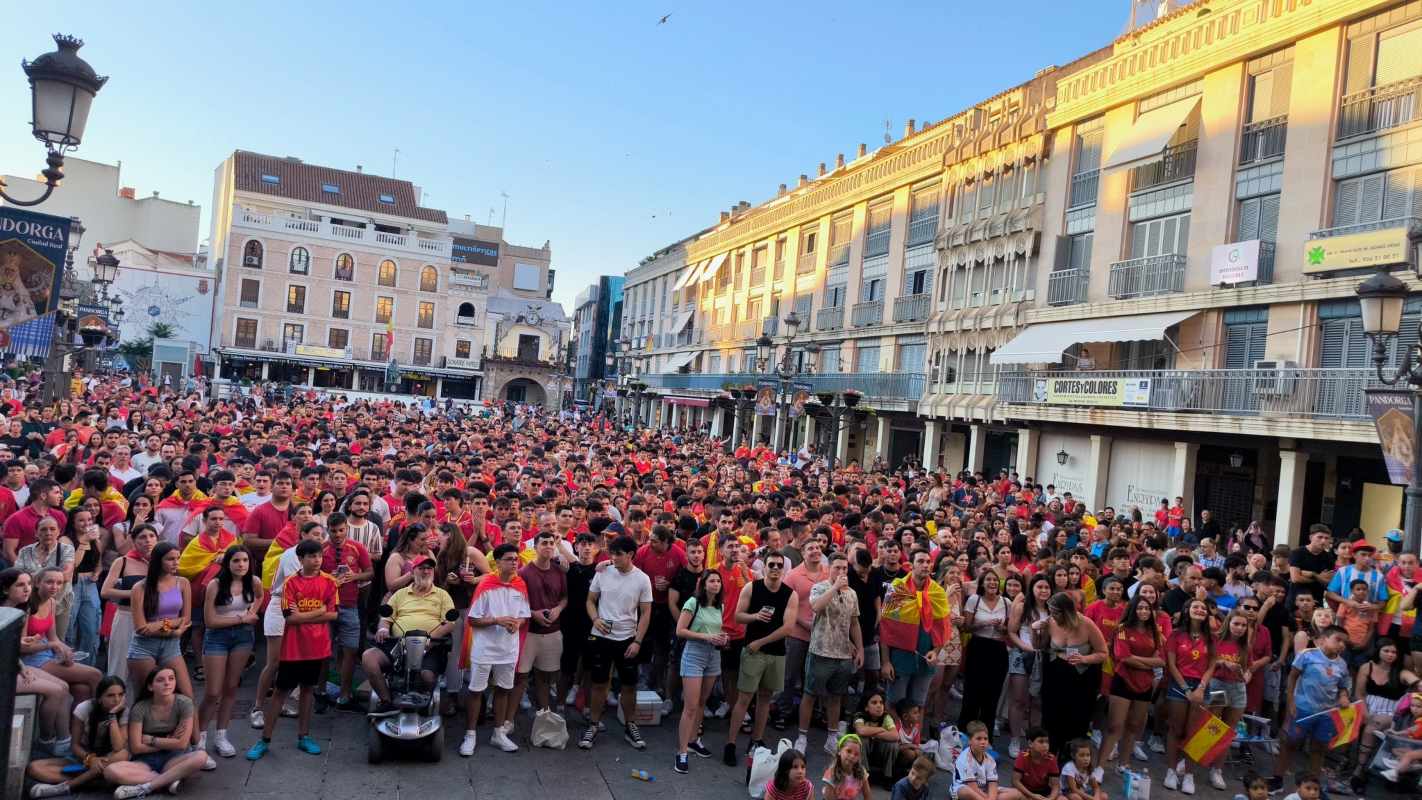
[1208,740]
[909,608]
[1347,724]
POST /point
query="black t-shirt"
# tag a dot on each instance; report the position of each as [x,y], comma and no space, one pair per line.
[1304,559]
[869,591]
[1280,623]
[1175,600]
[761,596]
[580,577]
[684,582]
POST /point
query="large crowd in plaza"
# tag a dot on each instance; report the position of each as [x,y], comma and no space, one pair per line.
[906,621]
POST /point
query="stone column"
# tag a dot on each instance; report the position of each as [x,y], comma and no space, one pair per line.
[881,438]
[675,415]
[977,445]
[717,416]
[735,427]
[1098,469]
[1293,465]
[931,432]
[841,447]
[757,427]
[310,376]
[1028,442]
[808,439]
[779,429]
[1182,476]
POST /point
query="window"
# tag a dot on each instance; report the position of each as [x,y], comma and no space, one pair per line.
[338,338]
[429,279]
[910,356]
[426,315]
[807,242]
[341,304]
[1259,219]
[384,309]
[839,239]
[1399,55]
[867,359]
[423,349]
[246,333]
[1381,196]
[872,291]
[465,314]
[252,254]
[296,299]
[386,276]
[527,347]
[923,215]
[1246,334]
[1160,236]
[879,222]
[918,282]
[345,267]
[387,199]
[834,296]
[1078,251]
[1269,93]
[251,293]
[829,359]
[377,347]
[273,180]
[330,188]
[292,333]
[461,348]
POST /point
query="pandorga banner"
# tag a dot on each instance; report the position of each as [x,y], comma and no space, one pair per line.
[1089,390]
[32,255]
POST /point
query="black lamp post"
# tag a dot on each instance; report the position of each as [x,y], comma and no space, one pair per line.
[1382,297]
[837,411]
[62,87]
[785,370]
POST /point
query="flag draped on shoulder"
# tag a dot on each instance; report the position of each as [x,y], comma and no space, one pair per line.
[485,585]
[909,608]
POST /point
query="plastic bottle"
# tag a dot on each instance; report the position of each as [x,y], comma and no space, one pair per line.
[643,775]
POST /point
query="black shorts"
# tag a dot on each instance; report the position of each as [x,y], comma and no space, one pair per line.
[1121,690]
[574,641]
[731,655]
[603,655]
[303,674]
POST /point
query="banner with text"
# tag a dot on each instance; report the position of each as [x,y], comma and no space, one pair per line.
[765,397]
[1085,390]
[799,396]
[1391,410]
[32,255]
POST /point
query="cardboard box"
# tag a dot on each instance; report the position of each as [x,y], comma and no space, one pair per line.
[649,709]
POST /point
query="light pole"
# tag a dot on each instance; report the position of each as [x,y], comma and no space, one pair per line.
[62,88]
[1382,297]
[786,370]
[837,411]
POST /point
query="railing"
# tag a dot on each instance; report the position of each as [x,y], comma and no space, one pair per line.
[748,329]
[839,255]
[770,326]
[805,264]
[1379,108]
[865,315]
[255,219]
[1315,393]
[1263,140]
[1177,164]
[757,277]
[830,319]
[777,270]
[912,307]
[1147,277]
[877,242]
[924,227]
[1067,287]
[873,385]
[1266,263]
[1412,224]
[1084,187]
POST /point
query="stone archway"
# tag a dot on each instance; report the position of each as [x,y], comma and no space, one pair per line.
[523,390]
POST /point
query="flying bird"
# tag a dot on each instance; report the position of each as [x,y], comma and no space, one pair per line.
[664,19]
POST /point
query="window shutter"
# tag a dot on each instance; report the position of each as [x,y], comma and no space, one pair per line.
[1399,56]
[1397,193]
[1370,198]
[1269,218]
[1360,64]
[1345,202]
[1261,101]
[1249,220]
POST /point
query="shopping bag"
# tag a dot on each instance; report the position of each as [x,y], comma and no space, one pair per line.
[949,742]
[549,730]
[1135,785]
[762,767]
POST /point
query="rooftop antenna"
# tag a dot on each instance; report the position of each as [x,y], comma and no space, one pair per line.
[395,159]
[888,128]
[504,220]
[491,216]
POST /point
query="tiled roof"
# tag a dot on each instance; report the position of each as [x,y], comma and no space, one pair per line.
[297,180]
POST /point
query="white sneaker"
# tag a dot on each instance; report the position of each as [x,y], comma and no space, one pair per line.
[1217,779]
[722,710]
[126,792]
[1138,752]
[466,747]
[507,728]
[502,741]
[1171,782]
[1180,766]
[49,790]
[223,745]
[831,742]
[1187,784]
[289,708]
[175,787]
[209,765]
[1157,745]
[258,720]
[802,743]
[1014,748]
[1099,775]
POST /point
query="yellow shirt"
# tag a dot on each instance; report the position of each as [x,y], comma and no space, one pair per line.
[525,557]
[419,612]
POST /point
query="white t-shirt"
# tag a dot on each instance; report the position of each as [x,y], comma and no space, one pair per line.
[970,770]
[493,644]
[619,594]
[252,499]
[142,460]
[127,475]
[288,564]
[83,710]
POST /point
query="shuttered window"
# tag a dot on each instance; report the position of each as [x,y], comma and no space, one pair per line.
[911,357]
[1399,56]
[1259,218]
[867,359]
[1401,190]
[1160,236]
[1246,333]
[829,359]
[1342,344]
[1359,200]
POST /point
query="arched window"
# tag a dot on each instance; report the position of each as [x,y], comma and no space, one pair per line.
[345,267]
[429,279]
[387,273]
[466,310]
[300,261]
[252,254]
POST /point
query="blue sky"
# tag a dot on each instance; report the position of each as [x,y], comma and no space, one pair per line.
[613,135]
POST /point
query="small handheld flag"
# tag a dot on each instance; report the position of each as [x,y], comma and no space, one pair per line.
[1347,724]
[1208,740]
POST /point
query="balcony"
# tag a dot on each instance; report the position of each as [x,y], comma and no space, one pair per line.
[1291,392]
[923,227]
[900,386]
[867,315]
[346,234]
[839,255]
[748,328]
[1379,108]
[1083,189]
[830,319]
[877,242]
[1263,140]
[912,307]
[805,264]
[1147,277]
[1412,224]
[1177,164]
[468,321]
[770,326]
[1067,287]
[757,277]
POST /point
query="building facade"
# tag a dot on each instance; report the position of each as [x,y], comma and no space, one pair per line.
[597,316]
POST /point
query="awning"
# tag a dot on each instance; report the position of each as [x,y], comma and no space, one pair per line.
[688,275]
[710,272]
[1045,344]
[679,360]
[694,402]
[679,323]
[1148,138]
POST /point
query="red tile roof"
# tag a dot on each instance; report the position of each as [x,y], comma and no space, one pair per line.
[301,181]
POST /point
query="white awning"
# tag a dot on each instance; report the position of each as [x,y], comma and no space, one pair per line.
[680,322]
[1045,344]
[1148,138]
[688,275]
[679,360]
[710,272]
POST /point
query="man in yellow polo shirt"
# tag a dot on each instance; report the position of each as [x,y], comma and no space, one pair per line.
[421,606]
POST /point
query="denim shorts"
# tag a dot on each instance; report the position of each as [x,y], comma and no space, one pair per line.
[38,659]
[700,660]
[1020,662]
[1236,693]
[1180,694]
[223,641]
[346,628]
[158,649]
[157,760]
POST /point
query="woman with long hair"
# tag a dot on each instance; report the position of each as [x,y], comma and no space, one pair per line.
[985,658]
[950,655]
[1026,638]
[457,570]
[140,511]
[1071,675]
[160,730]
[1382,684]
[98,732]
[414,541]
[1189,665]
[89,539]
[230,606]
[16,589]
[323,506]
[1137,648]
[126,571]
[162,607]
[50,549]
[44,649]
[699,623]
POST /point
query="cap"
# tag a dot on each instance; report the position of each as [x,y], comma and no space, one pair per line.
[422,561]
[1363,547]
[1394,535]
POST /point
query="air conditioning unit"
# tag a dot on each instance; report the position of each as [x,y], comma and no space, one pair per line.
[1274,378]
[252,261]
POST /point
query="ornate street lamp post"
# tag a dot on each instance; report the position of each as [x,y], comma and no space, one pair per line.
[1382,297]
[62,88]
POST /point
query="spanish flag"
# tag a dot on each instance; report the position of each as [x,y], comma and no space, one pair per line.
[909,609]
[1347,724]
[1209,740]
[487,584]
[286,539]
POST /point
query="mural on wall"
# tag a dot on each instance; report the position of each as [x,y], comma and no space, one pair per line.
[182,301]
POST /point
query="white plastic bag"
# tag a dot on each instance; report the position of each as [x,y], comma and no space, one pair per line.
[1135,785]
[549,730]
[762,767]
[949,743]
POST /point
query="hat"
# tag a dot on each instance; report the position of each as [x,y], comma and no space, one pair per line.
[1363,547]
[422,561]
[1394,535]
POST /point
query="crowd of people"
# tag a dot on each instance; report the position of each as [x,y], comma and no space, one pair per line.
[162,543]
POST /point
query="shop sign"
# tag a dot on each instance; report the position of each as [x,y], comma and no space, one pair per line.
[1356,250]
[1391,410]
[1140,475]
[455,362]
[318,351]
[1084,390]
[1234,263]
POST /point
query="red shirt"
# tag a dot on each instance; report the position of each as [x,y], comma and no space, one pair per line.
[8,505]
[1106,618]
[307,641]
[354,555]
[732,583]
[1036,774]
[266,521]
[1192,655]
[21,524]
[1134,642]
[665,564]
[1229,661]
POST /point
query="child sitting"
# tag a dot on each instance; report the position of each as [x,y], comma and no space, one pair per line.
[1408,722]
[910,726]
[1256,787]
[1077,781]
[914,786]
[975,775]
[846,778]
[1035,772]
[789,782]
[1307,787]
[880,736]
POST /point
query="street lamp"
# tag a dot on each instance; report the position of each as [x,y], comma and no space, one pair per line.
[1382,297]
[847,400]
[62,87]
[106,269]
[1062,457]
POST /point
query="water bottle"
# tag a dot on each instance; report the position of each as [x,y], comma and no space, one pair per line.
[1241,732]
[643,775]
